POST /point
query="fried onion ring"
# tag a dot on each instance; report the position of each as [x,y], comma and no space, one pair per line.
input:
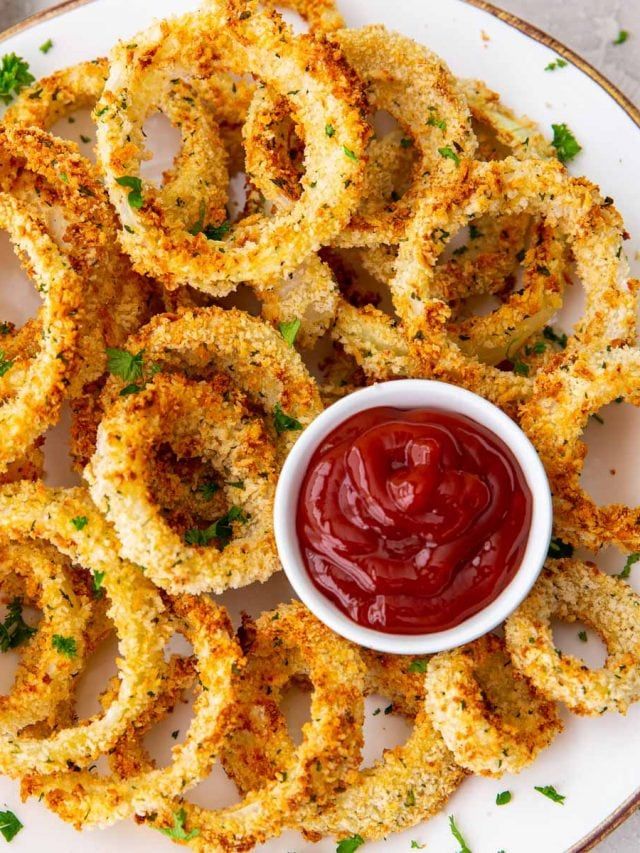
[488,714]
[196,420]
[32,512]
[258,247]
[570,590]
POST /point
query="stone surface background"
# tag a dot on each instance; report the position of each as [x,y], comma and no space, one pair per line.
[587,26]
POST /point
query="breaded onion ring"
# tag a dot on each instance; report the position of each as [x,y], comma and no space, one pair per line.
[593,229]
[571,590]
[33,389]
[85,799]
[32,512]
[196,420]
[488,714]
[407,785]
[412,84]
[261,363]
[565,395]
[312,77]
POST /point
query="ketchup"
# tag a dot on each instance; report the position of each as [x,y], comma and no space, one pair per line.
[412,521]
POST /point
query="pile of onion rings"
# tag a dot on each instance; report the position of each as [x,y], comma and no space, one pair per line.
[195,330]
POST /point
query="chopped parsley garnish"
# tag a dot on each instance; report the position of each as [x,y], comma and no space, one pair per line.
[551,335]
[217,232]
[5,363]
[97,578]
[434,121]
[284,422]
[464,848]
[632,559]
[6,328]
[14,76]
[124,365]
[503,798]
[46,47]
[208,490]
[622,37]
[349,153]
[131,368]
[135,186]
[405,142]
[388,710]
[329,129]
[65,645]
[14,631]
[565,143]
[177,831]
[550,792]
[520,368]
[222,529]
[417,845]
[85,139]
[583,636]
[80,522]
[418,666]
[348,845]
[558,548]
[410,799]
[10,826]
[474,231]
[557,63]
[290,330]
[449,154]
[235,484]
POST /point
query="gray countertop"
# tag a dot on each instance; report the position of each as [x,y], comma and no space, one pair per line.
[587,26]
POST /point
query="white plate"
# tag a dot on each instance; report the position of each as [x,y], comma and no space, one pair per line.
[594,763]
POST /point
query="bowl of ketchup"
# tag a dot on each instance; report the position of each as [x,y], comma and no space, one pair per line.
[412,516]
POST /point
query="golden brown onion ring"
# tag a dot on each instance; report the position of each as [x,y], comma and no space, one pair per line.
[488,714]
[571,590]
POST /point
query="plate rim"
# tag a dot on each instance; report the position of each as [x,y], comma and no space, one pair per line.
[632,803]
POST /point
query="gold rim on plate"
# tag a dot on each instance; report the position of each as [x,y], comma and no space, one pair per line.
[632,803]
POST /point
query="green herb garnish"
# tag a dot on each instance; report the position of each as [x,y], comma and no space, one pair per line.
[10,826]
[550,792]
[177,831]
[80,522]
[418,666]
[14,631]
[565,143]
[503,798]
[135,186]
[289,331]
[558,549]
[450,154]
[14,76]
[464,848]
[284,422]
[622,37]
[632,559]
[349,845]
[65,645]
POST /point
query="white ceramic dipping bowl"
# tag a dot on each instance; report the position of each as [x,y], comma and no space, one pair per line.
[413,394]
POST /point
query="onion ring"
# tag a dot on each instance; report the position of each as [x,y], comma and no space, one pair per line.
[565,395]
[33,512]
[488,714]
[258,247]
[570,590]
[197,420]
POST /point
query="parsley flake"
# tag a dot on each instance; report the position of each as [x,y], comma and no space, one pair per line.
[5,363]
[221,529]
[290,330]
[65,645]
[46,47]
[349,153]
[135,186]
[503,798]
[348,845]
[458,835]
[551,335]
[97,579]
[14,631]
[217,232]
[284,422]
[632,559]
[550,792]
[80,522]
[557,63]
[177,831]
[622,37]
[329,129]
[583,636]
[208,490]
[14,76]
[449,154]
[124,365]
[10,826]
[418,666]
[417,845]
[565,143]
